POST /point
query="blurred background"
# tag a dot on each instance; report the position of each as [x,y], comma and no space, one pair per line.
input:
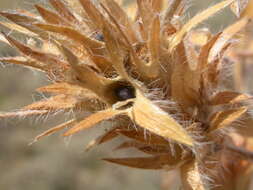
[56,163]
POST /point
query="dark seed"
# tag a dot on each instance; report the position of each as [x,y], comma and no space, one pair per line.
[125,93]
[99,37]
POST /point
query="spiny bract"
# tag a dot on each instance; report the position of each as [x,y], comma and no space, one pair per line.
[160,81]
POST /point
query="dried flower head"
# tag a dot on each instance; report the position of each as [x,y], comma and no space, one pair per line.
[159,80]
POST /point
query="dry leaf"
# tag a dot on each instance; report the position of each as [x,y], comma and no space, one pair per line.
[123,19]
[93,13]
[35,54]
[19,60]
[171,10]
[26,22]
[144,137]
[222,119]
[75,35]
[146,148]
[238,7]
[18,28]
[152,118]
[115,52]
[88,78]
[68,89]
[53,103]
[228,97]
[224,38]
[155,162]
[62,9]
[178,37]
[50,16]
[205,51]
[185,83]
[191,177]
[54,130]
[93,120]
[23,113]
[154,47]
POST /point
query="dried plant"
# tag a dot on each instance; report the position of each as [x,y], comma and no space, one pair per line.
[158,80]
[241,53]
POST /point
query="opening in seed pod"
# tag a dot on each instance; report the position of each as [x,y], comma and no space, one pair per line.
[99,37]
[121,91]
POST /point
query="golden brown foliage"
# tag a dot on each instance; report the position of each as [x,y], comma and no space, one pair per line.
[157,79]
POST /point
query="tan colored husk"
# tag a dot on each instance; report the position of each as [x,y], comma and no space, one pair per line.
[151,117]
[157,79]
